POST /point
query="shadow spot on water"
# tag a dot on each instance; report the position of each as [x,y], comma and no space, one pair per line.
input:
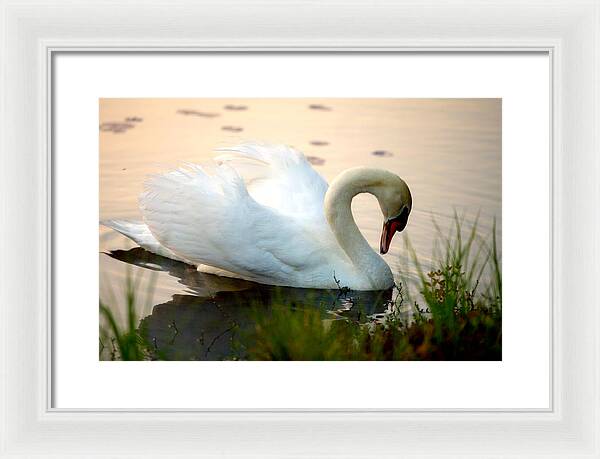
[320,107]
[232,128]
[382,153]
[315,160]
[235,108]
[116,127]
[188,112]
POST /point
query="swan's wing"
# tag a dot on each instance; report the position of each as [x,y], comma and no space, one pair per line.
[279,177]
[211,219]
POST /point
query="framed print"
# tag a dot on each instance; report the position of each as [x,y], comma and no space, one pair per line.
[308,234]
[249,319]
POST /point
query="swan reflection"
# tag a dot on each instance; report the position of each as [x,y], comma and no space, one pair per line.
[210,320]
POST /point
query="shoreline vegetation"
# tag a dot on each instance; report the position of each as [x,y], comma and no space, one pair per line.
[453,313]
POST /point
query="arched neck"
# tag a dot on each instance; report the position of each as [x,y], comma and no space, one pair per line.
[338,211]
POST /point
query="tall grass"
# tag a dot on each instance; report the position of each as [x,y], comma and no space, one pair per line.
[124,342]
[457,314]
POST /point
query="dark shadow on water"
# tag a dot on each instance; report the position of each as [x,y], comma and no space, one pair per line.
[208,322]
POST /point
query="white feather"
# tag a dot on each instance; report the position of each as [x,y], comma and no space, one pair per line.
[140,233]
[212,219]
[279,177]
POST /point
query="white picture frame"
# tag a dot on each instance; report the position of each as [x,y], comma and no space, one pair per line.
[33,31]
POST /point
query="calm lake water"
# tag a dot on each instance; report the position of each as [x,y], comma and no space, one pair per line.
[447,150]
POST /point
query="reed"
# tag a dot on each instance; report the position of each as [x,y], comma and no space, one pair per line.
[125,342]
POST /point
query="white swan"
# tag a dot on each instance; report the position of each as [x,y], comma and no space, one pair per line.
[264,214]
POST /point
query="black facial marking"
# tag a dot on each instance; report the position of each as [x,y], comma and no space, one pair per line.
[401,220]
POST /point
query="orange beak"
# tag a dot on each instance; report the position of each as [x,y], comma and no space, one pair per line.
[391,227]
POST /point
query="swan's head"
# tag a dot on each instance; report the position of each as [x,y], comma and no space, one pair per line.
[391,192]
[395,201]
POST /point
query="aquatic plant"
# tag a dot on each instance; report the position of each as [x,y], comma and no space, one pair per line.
[124,342]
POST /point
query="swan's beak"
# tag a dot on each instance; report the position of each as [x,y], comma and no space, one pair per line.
[391,227]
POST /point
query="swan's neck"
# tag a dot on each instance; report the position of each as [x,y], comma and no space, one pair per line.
[338,211]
